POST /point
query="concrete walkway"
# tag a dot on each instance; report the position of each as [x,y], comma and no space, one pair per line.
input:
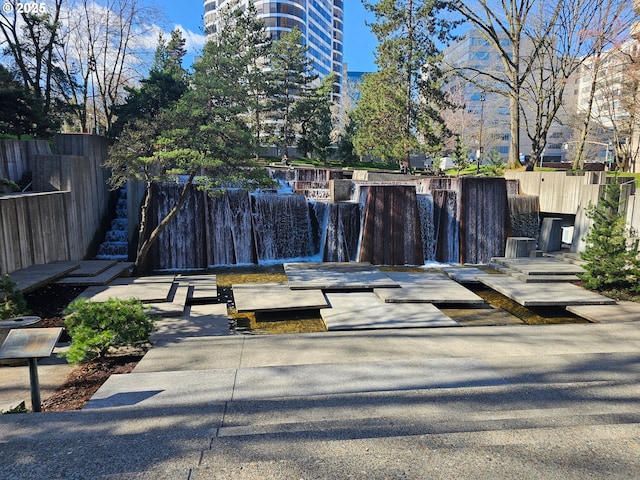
[540,402]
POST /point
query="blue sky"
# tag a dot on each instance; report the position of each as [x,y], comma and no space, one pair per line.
[359,43]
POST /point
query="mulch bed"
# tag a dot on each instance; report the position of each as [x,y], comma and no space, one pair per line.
[85,379]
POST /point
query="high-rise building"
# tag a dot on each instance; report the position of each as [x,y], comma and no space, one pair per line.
[320,21]
[484,122]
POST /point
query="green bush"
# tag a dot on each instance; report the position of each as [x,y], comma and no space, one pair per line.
[12,303]
[96,328]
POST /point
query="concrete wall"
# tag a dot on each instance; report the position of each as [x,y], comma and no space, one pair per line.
[65,219]
[564,193]
[16,156]
[35,230]
[559,192]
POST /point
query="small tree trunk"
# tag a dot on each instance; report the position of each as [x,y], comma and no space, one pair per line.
[145,244]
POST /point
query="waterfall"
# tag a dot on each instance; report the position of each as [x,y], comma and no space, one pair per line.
[427,226]
[181,245]
[453,220]
[318,215]
[342,232]
[445,221]
[228,229]
[281,226]
[524,212]
[116,242]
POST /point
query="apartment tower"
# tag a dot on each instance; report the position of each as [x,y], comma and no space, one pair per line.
[320,22]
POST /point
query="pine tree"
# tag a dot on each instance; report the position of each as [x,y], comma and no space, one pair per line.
[313,114]
[409,35]
[166,83]
[611,256]
[291,79]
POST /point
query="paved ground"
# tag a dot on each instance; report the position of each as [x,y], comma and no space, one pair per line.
[515,401]
[554,401]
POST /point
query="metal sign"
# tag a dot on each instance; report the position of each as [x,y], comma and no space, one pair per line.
[30,343]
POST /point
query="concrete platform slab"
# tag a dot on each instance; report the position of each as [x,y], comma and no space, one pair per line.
[105,277]
[365,310]
[145,292]
[151,279]
[36,276]
[543,294]
[91,268]
[620,312]
[205,287]
[539,265]
[173,389]
[273,297]
[193,353]
[336,276]
[464,274]
[335,379]
[175,304]
[197,321]
[417,287]
[526,278]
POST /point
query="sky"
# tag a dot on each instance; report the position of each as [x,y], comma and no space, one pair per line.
[359,42]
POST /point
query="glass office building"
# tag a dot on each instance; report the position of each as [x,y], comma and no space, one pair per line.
[320,21]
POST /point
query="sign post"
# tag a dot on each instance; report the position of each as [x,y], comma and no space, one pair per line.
[31,343]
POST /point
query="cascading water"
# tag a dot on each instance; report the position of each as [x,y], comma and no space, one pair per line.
[116,245]
[342,232]
[446,226]
[281,226]
[427,230]
[229,230]
[524,212]
[451,221]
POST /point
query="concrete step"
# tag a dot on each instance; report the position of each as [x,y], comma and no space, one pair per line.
[91,268]
[573,258]
[103,278]
[348,436]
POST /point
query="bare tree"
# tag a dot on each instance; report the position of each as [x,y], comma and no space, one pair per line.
[609,23]
[502,24]
[104,47]
[30,39]
[560,52]
[618,101]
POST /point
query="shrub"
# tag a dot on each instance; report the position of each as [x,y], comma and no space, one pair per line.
[12,303]
[96,328]
[611,254]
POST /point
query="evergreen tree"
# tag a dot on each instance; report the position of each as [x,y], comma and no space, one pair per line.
[495,165]
[203,136]
[611,255]
[291,79]
[460,157]
[21,112]
[313,114]
[256,43]
[379,118]
[408,33]
[166,83]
